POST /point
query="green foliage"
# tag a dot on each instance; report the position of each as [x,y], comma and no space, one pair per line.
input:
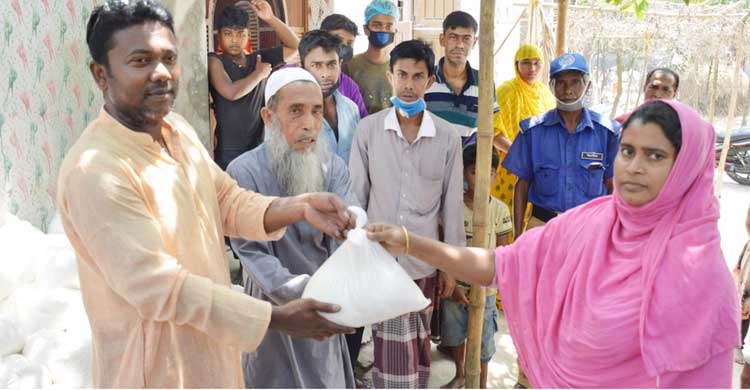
[639,6]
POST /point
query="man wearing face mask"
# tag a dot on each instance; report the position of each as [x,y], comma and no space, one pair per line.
[369,69]
[319,54]
[406,169]
[342,27]
[563,158]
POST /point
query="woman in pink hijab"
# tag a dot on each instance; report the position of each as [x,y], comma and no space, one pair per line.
[628,290]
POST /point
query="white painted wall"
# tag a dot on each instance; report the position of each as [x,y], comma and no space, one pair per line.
[505,16]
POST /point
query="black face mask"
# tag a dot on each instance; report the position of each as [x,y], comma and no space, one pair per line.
[380,39]
[331,90]
[346,53]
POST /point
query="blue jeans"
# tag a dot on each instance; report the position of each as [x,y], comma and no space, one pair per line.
[454,322]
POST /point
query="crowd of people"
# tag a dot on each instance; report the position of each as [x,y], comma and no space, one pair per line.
[608,265]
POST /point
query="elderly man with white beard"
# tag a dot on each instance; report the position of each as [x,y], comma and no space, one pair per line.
[291,162]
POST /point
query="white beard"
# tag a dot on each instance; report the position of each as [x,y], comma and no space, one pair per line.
[296,172]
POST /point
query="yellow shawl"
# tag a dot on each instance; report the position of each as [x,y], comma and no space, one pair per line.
[518,100]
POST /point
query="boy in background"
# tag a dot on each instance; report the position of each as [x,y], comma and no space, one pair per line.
[237,80]
[454,311]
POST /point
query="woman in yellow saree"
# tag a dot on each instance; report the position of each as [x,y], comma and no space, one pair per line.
[522,97]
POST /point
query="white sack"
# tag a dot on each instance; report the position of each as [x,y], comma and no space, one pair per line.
[19,241]
[56,309]
[55,263]
[12,338]
[365,280]
[67,356]
[55,225]
[17,372]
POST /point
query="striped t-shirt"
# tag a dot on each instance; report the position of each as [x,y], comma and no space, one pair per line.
[459,109]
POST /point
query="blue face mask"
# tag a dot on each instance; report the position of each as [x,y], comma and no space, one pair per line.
[408,109]
[380,39]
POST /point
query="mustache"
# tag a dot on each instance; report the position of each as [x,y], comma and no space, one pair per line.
[305,138]
[159,88]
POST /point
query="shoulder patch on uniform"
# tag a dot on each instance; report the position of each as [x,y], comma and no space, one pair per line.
[606,122]
[530,123]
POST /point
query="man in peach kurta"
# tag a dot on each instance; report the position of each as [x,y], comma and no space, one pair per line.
[146,210]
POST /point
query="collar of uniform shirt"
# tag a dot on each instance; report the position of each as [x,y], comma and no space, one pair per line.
[553,118]
[426,129]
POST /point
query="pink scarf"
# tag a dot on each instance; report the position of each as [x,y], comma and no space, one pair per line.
[611,295]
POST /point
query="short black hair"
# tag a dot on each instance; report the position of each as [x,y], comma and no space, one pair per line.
[667,71]
[318,38]
[232,17]
[115,15]
[460,19]
[339,22]
[663,115]
[417,50]
[470,156]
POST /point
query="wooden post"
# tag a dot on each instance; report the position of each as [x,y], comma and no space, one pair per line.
[714,90]
[732,103]
[485,133]
[562,25]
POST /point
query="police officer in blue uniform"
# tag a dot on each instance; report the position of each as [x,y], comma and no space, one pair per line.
[564,157]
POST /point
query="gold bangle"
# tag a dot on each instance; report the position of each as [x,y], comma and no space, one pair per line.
[406,234]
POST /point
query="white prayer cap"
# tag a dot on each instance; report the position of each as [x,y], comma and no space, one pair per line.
[284,76]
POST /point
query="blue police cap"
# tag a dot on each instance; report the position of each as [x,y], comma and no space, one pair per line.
[568,61]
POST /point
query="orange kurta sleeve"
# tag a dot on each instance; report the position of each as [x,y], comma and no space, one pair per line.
[127,249]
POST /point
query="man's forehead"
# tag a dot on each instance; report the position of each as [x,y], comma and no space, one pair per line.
[662,77]
[342,34]
[459,30]
[319,54]
[147,36]
[569,75]
[410,65]
[299,93]
[236,29]
[383,18]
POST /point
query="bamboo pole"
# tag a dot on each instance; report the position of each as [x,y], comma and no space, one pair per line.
[619,84]
[747,105]
[645,69]
[531,33]
[732,103]
[714,89]
[707,90]
[485,133]
[630,82]
[562,25]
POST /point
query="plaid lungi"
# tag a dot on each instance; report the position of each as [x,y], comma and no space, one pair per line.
[402,346]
